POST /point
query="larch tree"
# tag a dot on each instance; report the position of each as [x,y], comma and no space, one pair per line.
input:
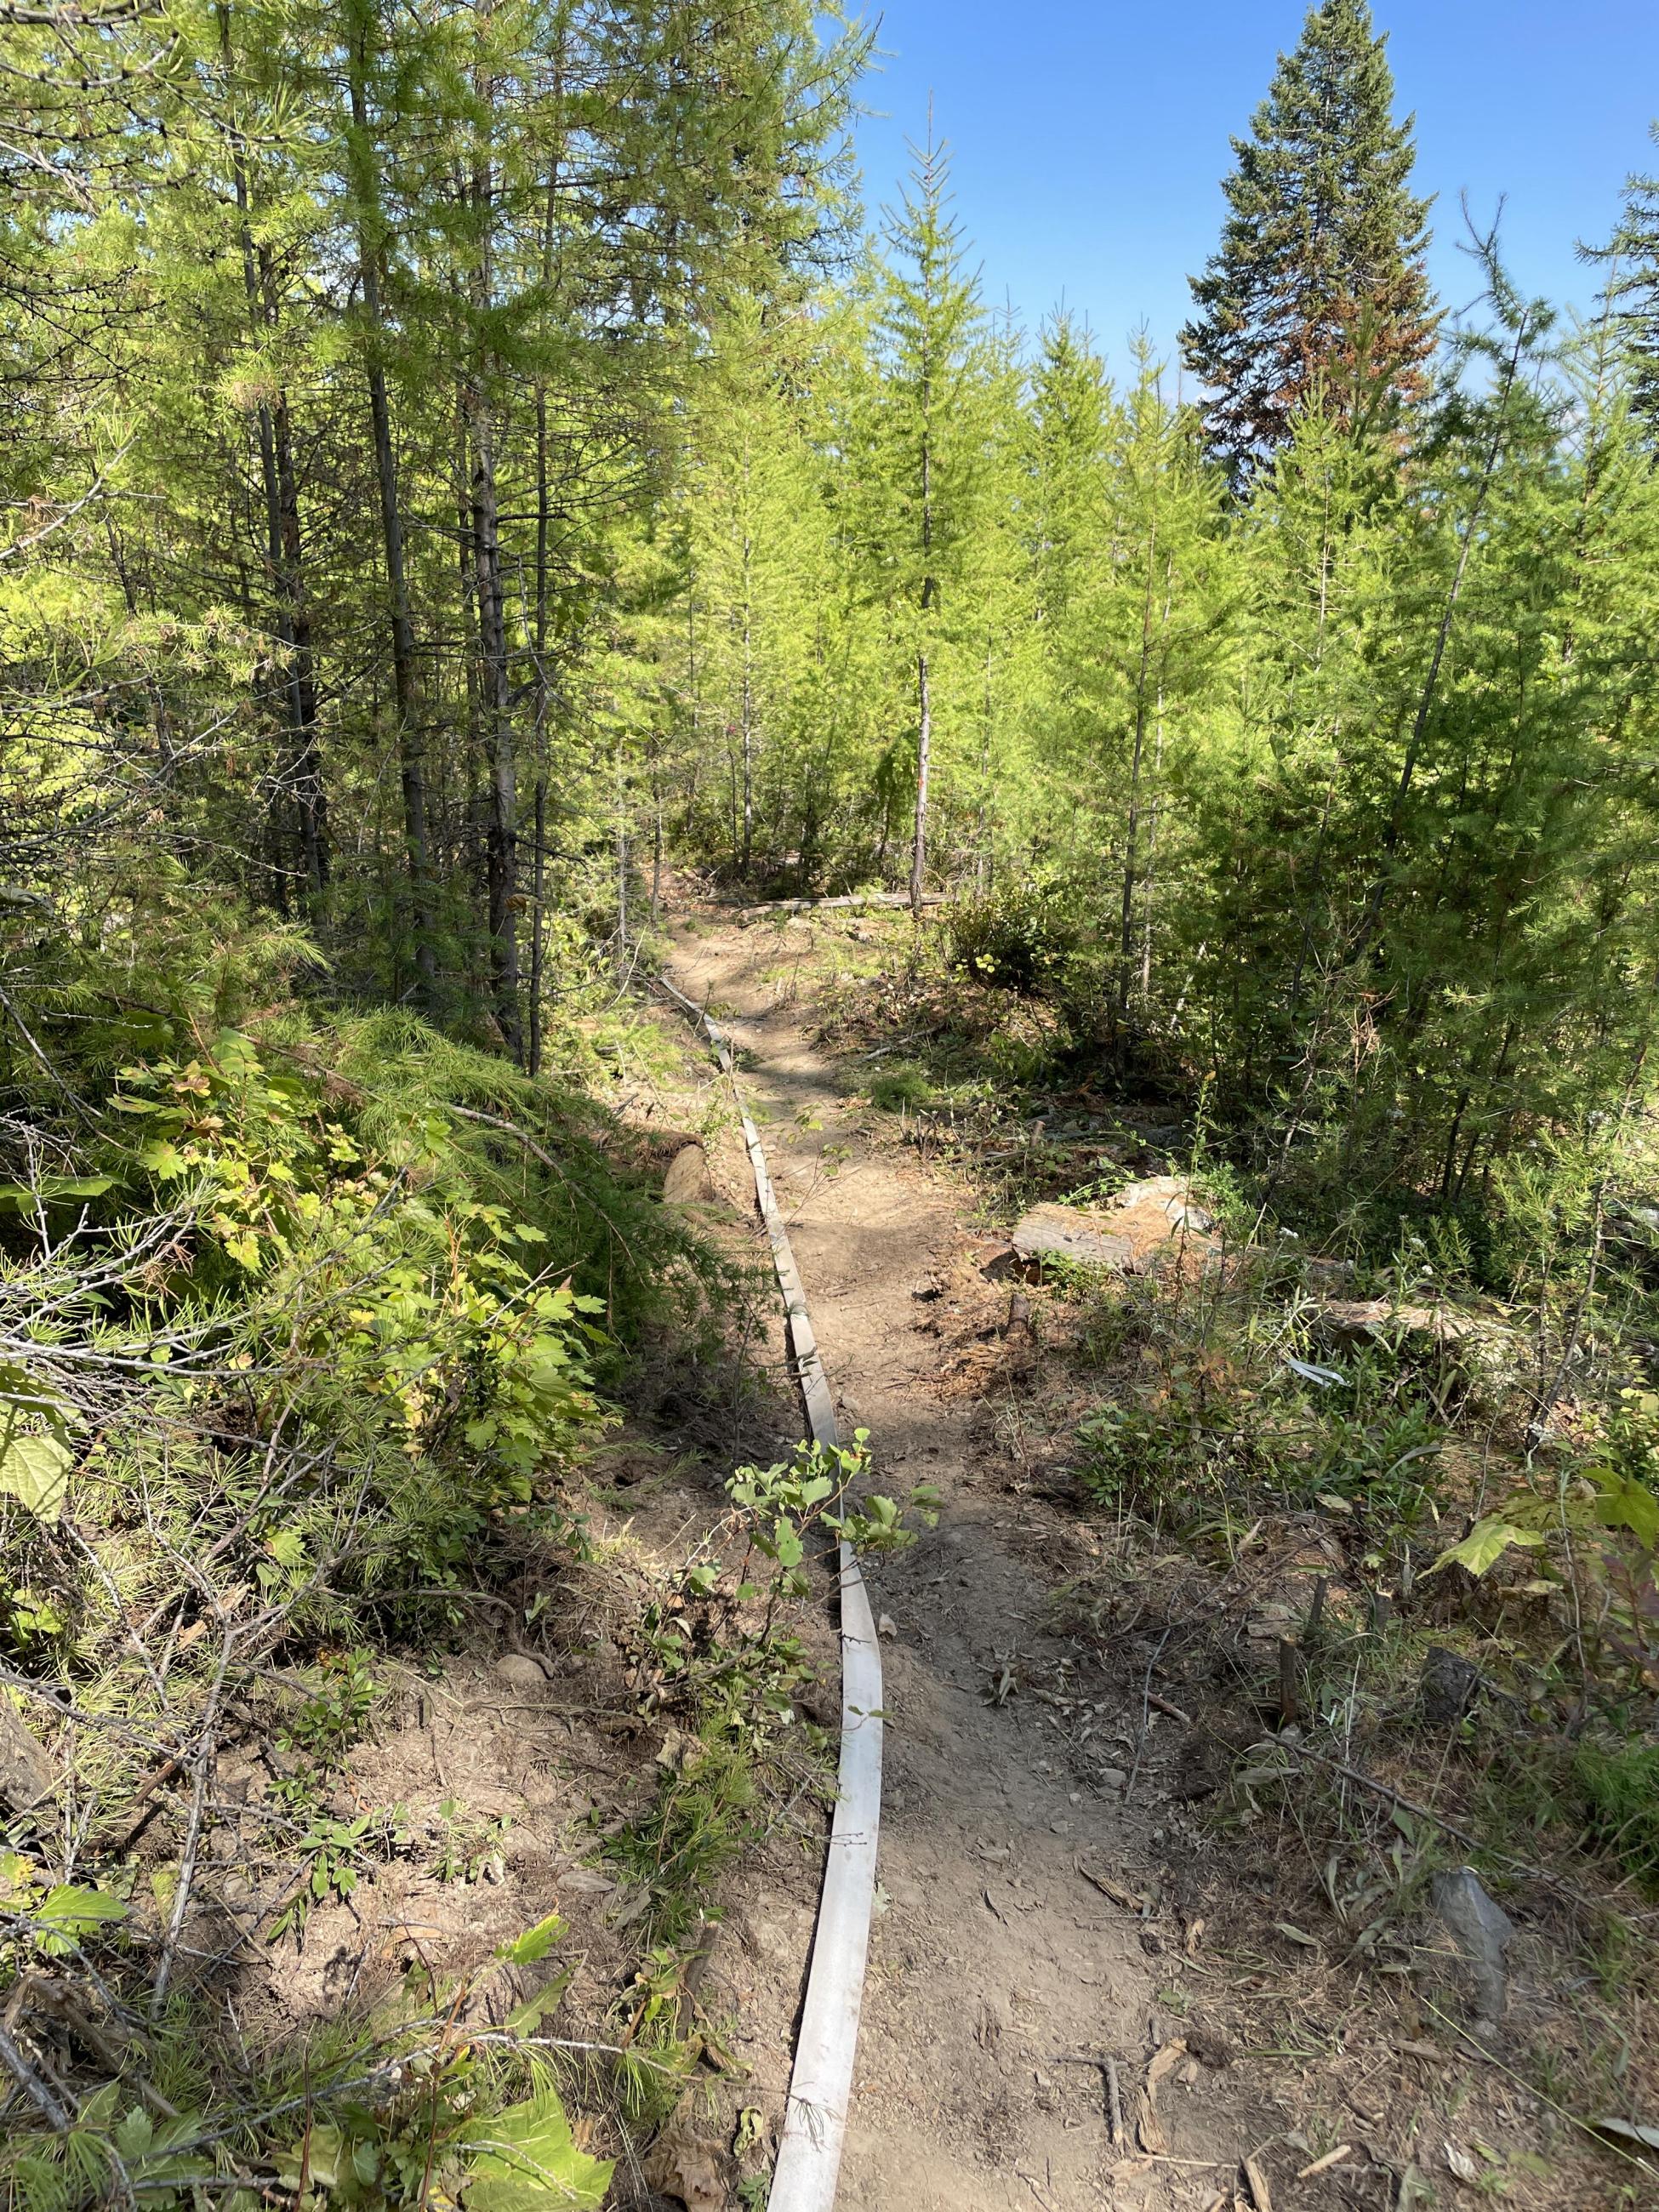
[933,360]
[1319,287]
[1631,255]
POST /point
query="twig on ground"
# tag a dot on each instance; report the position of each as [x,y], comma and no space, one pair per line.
[203,1762]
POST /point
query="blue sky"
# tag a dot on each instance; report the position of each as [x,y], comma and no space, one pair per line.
[1089,137]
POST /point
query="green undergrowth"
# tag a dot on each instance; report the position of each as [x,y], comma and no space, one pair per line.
[307,1328]
[724,1654]
[1434,1632]
[727,1660]
[405,2107]
[1430,1547]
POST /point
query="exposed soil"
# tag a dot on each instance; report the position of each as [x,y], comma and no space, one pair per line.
[1000,1972]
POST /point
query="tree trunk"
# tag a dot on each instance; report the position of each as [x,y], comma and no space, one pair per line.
[924,753]
[534,1059]
[924,696]
[503,850]
[301,682]
[503,857]
[543,516]
[411,747]
[302,775]
[1131,825]
[622,865]
[747,859]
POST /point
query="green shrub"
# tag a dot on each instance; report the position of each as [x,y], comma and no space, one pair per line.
[1620,1785]
[902,1085]
[1032,936]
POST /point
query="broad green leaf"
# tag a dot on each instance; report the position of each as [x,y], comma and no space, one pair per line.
[318,2156]
[53,1189]
[100,2109]
[134,2134]
[1485,1545]
[1626,1505]
[287,1547]
[35,1471]
[20,1393]
[68,1912]
[535,1943]
[525,2160]
[534,2011]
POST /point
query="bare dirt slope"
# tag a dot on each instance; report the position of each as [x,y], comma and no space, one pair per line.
[998,1969]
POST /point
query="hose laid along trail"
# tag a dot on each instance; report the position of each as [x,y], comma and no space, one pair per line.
[826,2043]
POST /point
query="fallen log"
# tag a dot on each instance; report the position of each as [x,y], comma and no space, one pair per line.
[850,901]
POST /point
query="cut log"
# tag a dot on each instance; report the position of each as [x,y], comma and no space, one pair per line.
[1127,1236]
[1381,1317]
[852,901]
[688,1180]
[1064,1232]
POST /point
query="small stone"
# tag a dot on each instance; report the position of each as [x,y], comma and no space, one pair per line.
[1448,1687]
[519,1671]
[887,1625]
[1483,1930]
[1113,1778]
[26,1775]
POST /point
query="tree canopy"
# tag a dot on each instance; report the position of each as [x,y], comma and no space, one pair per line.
[1319,286]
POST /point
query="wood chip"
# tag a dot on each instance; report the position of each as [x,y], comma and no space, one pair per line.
[1165,2062]
[1130,1900]
[1261,2194]
[1153,2137]
[1115,2105]
[1321,2165]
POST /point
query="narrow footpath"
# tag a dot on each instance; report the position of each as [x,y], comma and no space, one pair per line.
[998,1972]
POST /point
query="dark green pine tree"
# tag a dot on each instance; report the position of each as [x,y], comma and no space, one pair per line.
[1319,285]
[1632,293]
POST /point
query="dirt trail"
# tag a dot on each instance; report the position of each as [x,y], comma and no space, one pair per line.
[995,1964]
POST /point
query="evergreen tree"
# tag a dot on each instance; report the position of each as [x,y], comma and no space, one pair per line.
[757,528]
[1319,287]
[933,361]
[1632,289]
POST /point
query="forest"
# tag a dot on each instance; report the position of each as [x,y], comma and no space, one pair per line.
[479,484]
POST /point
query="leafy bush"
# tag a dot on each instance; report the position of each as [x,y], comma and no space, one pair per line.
[299,1340]
[1032,936]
